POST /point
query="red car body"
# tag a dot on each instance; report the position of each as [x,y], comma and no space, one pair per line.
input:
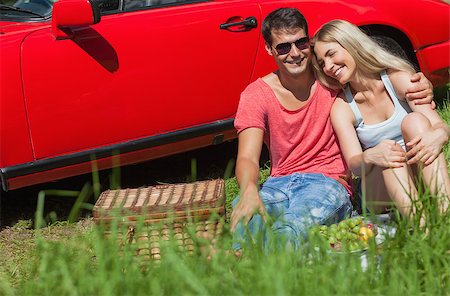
[141,83]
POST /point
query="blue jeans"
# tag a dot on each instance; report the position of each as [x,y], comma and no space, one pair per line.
[294,203]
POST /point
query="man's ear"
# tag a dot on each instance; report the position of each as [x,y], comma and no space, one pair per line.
[268,49]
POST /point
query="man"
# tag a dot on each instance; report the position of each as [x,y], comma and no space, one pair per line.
[289,111]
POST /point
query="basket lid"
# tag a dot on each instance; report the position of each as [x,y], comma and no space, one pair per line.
[155,203]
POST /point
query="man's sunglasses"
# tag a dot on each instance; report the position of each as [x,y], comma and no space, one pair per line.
[285,48]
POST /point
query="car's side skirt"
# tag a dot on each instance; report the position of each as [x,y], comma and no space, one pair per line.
[55,168]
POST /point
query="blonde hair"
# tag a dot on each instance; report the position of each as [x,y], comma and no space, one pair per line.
[369,57]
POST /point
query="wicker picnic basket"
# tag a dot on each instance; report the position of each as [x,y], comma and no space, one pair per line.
[167,212]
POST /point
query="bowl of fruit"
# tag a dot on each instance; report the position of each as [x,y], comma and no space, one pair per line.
[350,235]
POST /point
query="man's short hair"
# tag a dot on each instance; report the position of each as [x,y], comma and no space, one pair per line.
[283,19]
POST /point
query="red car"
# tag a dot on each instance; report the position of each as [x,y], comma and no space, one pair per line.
[124,81]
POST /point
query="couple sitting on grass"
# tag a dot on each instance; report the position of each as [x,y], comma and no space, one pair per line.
[362,108]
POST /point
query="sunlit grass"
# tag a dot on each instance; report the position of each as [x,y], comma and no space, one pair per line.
[442,97]
[412,262]
[444,112]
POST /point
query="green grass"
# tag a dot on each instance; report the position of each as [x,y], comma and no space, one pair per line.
[413,262]
[442,98]
[445,114]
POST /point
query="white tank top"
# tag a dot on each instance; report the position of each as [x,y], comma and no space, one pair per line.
[390,129]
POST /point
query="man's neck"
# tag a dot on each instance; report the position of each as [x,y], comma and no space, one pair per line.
[300,86]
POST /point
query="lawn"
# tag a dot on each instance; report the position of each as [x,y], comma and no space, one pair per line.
[76,259]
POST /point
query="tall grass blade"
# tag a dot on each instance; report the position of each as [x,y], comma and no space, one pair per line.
[95,177]
[186,274]
[363,191]
[193,169]
[61,193]
[229,169]
[5,287]
[87,206]
[86,191]
[52,217]
[39,214]
[115,176]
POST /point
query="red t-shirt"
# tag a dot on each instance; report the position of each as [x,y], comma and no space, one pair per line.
[302,140]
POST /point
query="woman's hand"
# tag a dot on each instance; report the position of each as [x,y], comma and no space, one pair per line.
[387,154]
[426,147]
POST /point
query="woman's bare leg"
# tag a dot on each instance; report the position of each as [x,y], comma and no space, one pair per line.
[385,186]
[435,174]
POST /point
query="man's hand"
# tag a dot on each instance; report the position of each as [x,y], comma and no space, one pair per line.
[387,154]
[421,92]
[249,203]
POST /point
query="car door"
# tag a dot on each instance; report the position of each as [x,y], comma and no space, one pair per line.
[163,67]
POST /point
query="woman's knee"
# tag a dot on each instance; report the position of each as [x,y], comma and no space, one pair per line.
[413,124]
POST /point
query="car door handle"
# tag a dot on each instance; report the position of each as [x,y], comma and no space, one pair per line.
[248,23]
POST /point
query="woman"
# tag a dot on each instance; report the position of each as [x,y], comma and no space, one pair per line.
[374,122]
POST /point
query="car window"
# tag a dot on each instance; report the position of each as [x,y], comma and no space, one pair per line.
[112,6]
[130,5]
[26,8]
[108,6]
